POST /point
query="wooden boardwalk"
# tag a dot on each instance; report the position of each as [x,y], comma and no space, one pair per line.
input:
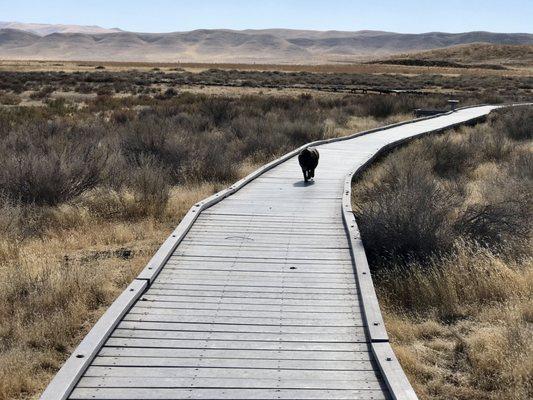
[263,295]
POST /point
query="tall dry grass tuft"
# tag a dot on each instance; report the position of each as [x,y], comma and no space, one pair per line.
[446,222]
[484,356]
[55,286]
[43,304]
[454,285]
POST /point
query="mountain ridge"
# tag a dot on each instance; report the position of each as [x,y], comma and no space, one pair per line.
[46,29]
[227,45]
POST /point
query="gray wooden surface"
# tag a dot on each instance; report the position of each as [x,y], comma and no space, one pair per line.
[261,298]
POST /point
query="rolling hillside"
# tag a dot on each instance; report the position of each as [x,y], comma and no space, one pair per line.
[47,29]
[271,45]
[473,54]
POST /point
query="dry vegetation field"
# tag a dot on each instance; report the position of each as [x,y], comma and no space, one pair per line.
[515,62]
[91,184]
[125,77]
[446,222]
[488,56]
[100,164]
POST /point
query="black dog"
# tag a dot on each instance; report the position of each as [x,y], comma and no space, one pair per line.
[308,159]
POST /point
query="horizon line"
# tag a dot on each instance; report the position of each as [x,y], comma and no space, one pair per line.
[245,29]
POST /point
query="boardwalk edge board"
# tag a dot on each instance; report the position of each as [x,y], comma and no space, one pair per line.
[373,318]
[64,381]
[393,374]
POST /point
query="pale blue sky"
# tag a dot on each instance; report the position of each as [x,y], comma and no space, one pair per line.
[180,15]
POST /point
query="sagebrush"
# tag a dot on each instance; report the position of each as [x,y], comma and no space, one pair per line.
[446,222]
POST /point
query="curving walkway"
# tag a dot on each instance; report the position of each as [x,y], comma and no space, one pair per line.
[261,298]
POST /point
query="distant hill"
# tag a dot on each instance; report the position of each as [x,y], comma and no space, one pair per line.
[221,45]
[477,54]
[47,29]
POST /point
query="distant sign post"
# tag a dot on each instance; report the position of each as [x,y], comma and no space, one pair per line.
[453,104]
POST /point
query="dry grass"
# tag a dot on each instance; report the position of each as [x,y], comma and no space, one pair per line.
[462,327]
[459,82]
[344,66]
[477,53]
[458,308]
[54,287]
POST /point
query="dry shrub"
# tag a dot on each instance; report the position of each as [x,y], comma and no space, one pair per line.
[219,109]
[491,144]
[43,166]
[499,354]
[452,156]
[11,215]
[457,306]
[380,106]
[517,123]
[215,159]
[409,219]
[488,224]
[50,178]
[155,139]
[450,286]
[43,93]
[151,189]
[120,117]
[9,99]
[420,198]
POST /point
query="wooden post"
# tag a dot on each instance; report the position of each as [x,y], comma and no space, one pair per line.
[453,104]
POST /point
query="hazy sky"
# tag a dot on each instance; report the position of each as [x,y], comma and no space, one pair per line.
[181,15]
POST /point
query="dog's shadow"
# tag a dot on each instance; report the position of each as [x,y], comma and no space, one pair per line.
[303,183]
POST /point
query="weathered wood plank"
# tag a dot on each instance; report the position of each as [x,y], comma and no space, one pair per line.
[283,267]
[235,394]
[352,365]
[248,320]
[289,277]
[187,383]
[258,260]
[293,268]
[224,327]
[228,373]
[254,283]
[239,345]
[357,336]
[239,306]
[290,295]
[232,353]
[284,314]
[351,290]
[187,301]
